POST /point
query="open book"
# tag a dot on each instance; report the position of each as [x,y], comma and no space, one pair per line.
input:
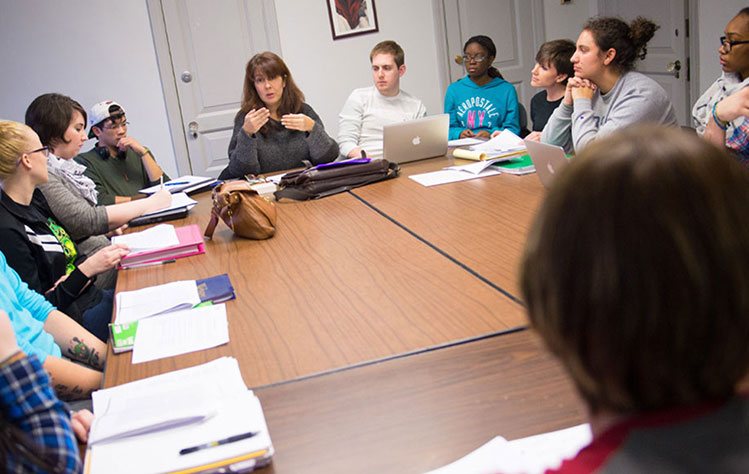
[190,420]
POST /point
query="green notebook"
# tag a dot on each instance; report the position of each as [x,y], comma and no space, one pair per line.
[123,336]
[520,165]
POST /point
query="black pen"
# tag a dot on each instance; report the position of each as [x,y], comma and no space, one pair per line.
[230,439]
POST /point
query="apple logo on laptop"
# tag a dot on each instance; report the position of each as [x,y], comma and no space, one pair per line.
[416,141]
[550,168]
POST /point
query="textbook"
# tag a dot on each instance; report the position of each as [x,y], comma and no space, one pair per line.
[123,336]
[131,306]
[519,165]
[187,184]
[158,243]
[199,419]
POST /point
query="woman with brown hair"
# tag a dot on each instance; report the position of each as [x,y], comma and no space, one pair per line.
[275,129]
[635,274]
[606,94]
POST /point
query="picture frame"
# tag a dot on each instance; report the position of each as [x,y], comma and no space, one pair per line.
[352,18]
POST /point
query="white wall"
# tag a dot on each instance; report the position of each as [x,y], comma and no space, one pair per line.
[90,51]
[327,71]
[712,23]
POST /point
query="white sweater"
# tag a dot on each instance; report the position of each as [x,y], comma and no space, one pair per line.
[365,113]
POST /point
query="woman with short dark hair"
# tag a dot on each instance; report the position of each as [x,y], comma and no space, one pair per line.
[636,276]
[275,129]
[606,94]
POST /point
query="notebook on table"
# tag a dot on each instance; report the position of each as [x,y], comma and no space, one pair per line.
[185,241]
[548,160]
[416,139]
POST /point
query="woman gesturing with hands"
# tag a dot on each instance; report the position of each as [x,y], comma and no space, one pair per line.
[275,129]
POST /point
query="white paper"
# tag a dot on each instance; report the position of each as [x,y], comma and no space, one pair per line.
[221,375]
[505,142]
[464,141]
[434,178]
[186,181]
[180,332]
[157,237]
[159,452]
[138,304]
[478,167]
[531,455]
[179,200]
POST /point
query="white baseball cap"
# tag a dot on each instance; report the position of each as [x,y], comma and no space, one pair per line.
[102,111]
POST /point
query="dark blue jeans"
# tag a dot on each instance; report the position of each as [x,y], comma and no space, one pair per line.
[97,318]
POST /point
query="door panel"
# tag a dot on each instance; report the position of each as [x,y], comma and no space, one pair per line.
[668,46]
[209,45]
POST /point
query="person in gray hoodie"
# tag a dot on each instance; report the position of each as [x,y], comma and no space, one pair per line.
[606,94]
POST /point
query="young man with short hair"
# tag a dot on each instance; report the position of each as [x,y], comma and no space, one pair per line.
[368,109]
[553,68]
[118,164]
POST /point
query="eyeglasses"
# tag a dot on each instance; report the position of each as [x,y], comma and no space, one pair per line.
[727,45]
[116,126]
[478,58]
[44,149]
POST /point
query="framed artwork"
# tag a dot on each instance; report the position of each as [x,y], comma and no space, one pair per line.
[352,17]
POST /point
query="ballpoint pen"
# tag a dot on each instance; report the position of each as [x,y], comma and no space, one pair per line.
[230,439]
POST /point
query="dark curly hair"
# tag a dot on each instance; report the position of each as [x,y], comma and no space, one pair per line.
[627,40]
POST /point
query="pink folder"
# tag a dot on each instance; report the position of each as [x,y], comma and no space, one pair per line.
[190,243]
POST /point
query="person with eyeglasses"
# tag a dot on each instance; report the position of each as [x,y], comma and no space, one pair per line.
[38,247]
[606,93]
[60,123]
[118,164]
[482,102]
[721,114]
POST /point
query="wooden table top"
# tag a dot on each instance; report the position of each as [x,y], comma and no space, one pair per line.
[483,222]
[338,285]
[416,413]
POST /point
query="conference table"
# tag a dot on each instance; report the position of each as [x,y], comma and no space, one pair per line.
[381,328]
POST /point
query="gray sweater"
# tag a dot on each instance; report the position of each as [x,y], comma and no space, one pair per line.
[84,222]
[280,149]
[634,99]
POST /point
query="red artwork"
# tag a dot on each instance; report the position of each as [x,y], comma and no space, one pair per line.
[349,10]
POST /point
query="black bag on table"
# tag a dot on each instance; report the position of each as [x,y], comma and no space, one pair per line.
[333,178]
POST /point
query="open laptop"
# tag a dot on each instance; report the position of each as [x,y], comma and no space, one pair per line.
[416,139]
[547,159]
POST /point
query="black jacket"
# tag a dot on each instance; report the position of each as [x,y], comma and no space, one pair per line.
[29,244]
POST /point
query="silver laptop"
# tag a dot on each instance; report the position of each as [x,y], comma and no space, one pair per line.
[416,139]
[547,159]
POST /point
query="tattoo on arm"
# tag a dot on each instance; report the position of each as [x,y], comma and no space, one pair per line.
[75,393]
[80,351]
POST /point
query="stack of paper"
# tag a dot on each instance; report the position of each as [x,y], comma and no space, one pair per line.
[188,420]
[186,184]
[531,455]
[160,242]
[504,145]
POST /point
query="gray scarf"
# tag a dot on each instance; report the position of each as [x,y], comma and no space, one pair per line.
[72,172]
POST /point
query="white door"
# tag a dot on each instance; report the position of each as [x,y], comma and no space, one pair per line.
[209,44]
[509,23]
[667,56]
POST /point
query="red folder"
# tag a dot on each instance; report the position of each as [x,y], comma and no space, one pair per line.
[190,243]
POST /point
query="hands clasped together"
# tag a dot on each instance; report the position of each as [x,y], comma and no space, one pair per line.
[255,119]
[578,88]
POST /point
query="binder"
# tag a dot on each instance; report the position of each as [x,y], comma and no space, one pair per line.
[190,243]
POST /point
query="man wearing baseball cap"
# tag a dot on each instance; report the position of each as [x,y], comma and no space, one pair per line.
[118,164]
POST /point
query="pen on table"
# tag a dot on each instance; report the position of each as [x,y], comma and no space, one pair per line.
[177,183]
[230,439]
[149,264]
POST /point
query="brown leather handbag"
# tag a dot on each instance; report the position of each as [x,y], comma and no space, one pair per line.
[246,212]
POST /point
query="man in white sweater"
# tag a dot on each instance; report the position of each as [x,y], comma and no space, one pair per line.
[368,109]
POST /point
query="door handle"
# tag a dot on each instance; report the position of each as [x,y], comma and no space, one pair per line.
[193,128]
[674,67]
